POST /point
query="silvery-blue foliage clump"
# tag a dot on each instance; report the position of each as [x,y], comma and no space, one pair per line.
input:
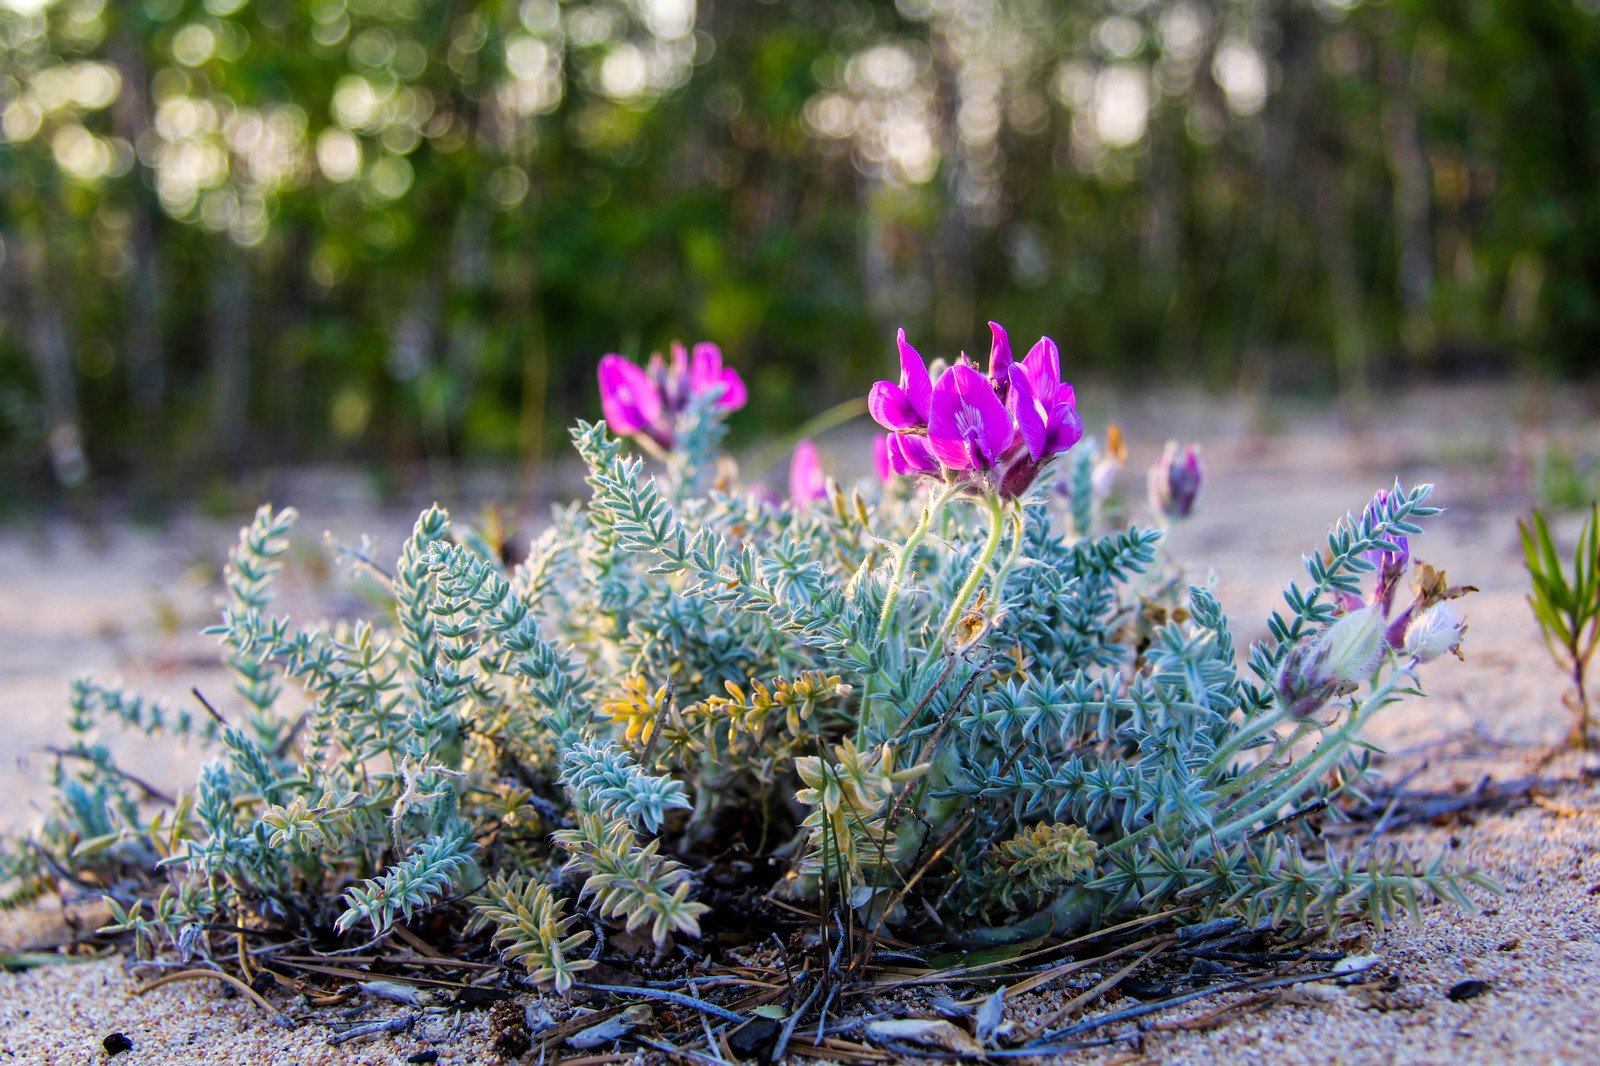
[963,715]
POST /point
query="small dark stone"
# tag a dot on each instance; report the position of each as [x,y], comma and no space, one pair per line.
[1145,989]
[1466,990]
[425,1056]
[116,1044]
[755,1039]
[478,998]
[263,982]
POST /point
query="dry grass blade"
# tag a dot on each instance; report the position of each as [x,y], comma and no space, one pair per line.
[394,960]
[1082,1000]
[365,975]
[215,975]
[1264,984]
[1155,943]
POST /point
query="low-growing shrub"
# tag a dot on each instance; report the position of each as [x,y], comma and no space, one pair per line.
[947,706]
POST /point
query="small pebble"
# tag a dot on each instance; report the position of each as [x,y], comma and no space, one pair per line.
[425,1056]
[116,1044]
[1466,990]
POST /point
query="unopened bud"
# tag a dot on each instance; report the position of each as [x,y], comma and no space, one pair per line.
[1345,653]
[1435,631]
[1355,644]
[1174,481]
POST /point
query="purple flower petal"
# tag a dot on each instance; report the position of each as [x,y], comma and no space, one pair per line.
[628,397]
[806,480]
[1043,367]
[706,373]
[909,455]
[882,462]
[734,394]
[1031,416]
[968,426]
[890,407]
[914,380]
[1064,429]
[1000,360]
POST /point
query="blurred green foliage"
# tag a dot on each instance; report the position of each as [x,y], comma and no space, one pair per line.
[233,230]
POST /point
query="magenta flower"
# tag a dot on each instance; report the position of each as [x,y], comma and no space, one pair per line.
[630,400]
[639,402]
[909,403]
[1174,481]
[909,455]
[968,428]
[1046,408]
[706,372]
[882,461]
[806,480]
[995,430]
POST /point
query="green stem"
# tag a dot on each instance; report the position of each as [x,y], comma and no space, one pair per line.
[1247,808]
[903,555]
[1317,761]
[1263,766]
[891,597]
[1018,533]
[980,567]
[1247,733]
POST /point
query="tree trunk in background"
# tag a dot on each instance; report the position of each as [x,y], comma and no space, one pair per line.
[413,362]
[36,299]
[1347,305]
[1283,197]
[130,120]
[535,367]
[953,311]
[1159,270]
[1413,202]
[228,350]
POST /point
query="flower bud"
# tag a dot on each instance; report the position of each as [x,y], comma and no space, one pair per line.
[1391,565]
[1354,645]
[1104,475]
[806,479]
[1174,481]
[1435,631]
[1303,685]
[1345,653]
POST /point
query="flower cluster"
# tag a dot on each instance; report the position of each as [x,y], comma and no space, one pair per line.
[645,402]
[1348,651]
[994,432]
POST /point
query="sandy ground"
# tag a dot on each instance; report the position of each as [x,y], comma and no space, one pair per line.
[124,602]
